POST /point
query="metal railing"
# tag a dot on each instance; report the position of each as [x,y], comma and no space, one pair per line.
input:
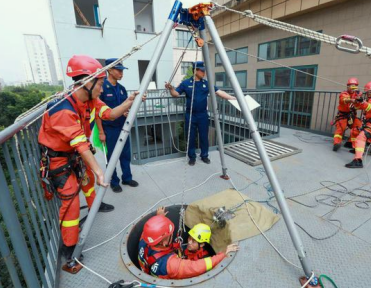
[29,224]
[160,133]
[310,110]
[29,230]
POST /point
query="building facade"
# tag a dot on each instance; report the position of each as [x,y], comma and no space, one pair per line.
[40,67]
[110,29]
[332,17]
[181,40]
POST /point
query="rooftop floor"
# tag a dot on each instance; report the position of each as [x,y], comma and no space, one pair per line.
[345,257]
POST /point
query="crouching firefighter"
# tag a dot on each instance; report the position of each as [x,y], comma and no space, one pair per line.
[158,257]
[365,134]
[66,151]
[347,115]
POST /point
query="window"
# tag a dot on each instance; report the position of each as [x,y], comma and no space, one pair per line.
[287,78]
[264,79]
[282,78]
[182,39]
[222,81]
[184,67]
[218,61]
[304,80]
[87,12]
[142,65]
[143,14]
[237,56]
[288,47]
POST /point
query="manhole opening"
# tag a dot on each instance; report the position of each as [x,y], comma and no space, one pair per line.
[136,232]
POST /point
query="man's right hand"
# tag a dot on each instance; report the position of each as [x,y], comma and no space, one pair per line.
[102,137]
[100,179]
[168,86]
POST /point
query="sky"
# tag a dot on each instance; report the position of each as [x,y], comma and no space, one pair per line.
[18,17]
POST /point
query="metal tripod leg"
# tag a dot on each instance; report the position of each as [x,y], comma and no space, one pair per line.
[210,79]
[127,126]
[295,237]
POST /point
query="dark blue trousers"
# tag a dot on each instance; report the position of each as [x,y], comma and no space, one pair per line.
[200,124]
[112,135]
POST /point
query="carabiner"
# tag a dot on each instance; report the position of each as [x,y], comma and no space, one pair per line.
[351,39]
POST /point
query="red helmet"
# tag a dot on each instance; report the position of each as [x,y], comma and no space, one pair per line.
[157,228]
[83,65]
[353,81]
[368,87]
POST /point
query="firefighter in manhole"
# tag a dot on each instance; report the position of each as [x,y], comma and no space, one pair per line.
[158,256]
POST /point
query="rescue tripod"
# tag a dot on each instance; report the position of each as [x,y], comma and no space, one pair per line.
[196,17]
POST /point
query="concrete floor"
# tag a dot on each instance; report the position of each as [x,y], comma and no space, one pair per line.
[344,257]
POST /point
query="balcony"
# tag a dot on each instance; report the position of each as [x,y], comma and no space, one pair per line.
[316,184]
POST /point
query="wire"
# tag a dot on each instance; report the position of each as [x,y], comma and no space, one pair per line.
[281,65]
[92,271]
[154,205]
[69,91]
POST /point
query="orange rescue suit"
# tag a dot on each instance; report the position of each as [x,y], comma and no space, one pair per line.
[346,118]
[63,130]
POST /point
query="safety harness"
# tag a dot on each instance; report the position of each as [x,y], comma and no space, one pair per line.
[152,259]
[350,116]
[57,178]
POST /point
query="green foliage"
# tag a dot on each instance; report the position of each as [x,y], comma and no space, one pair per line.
[189,73]
[17,100]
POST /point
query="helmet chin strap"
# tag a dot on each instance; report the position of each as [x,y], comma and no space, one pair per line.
[90,91]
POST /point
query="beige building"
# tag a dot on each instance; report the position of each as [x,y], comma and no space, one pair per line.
[332,17]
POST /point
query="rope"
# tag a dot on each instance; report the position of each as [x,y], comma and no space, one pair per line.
[282,65]
[69,91]
[345,39]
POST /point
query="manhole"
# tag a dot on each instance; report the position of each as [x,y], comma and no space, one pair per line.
[246,151]
[129,253]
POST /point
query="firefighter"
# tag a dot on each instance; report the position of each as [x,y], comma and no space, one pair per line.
[346,117]
[198,236]
[113,95]
[365,134]
[65,147]
[200,117]
[158,258]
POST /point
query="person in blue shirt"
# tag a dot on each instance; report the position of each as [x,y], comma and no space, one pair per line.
[113,95]
[200,117]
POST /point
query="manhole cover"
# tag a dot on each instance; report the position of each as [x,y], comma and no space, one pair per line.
[246,151]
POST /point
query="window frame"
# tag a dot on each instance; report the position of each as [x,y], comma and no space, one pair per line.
[225,79]
[218,64]
[296,48]
[292,78]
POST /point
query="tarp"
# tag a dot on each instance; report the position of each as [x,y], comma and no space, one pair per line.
[238,228]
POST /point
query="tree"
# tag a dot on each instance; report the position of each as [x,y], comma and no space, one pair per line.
[189,73]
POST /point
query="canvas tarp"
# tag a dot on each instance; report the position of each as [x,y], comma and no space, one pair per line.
[238,228]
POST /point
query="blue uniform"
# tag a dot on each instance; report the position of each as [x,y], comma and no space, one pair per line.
[200,117]
[113,96]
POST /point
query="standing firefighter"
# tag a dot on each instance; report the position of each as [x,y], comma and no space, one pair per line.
[365,134]
[200,117]
[67,156]
[158,258]
[347,115]
[113,95]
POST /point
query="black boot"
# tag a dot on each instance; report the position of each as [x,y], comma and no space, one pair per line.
[356,163]
[336,147]
[348,144]
[67,251]
[192,162]
[105,207]
[205,160]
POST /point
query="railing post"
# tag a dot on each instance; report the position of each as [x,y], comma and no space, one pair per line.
[18,241]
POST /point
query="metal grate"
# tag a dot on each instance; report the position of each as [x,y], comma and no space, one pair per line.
[246,151]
